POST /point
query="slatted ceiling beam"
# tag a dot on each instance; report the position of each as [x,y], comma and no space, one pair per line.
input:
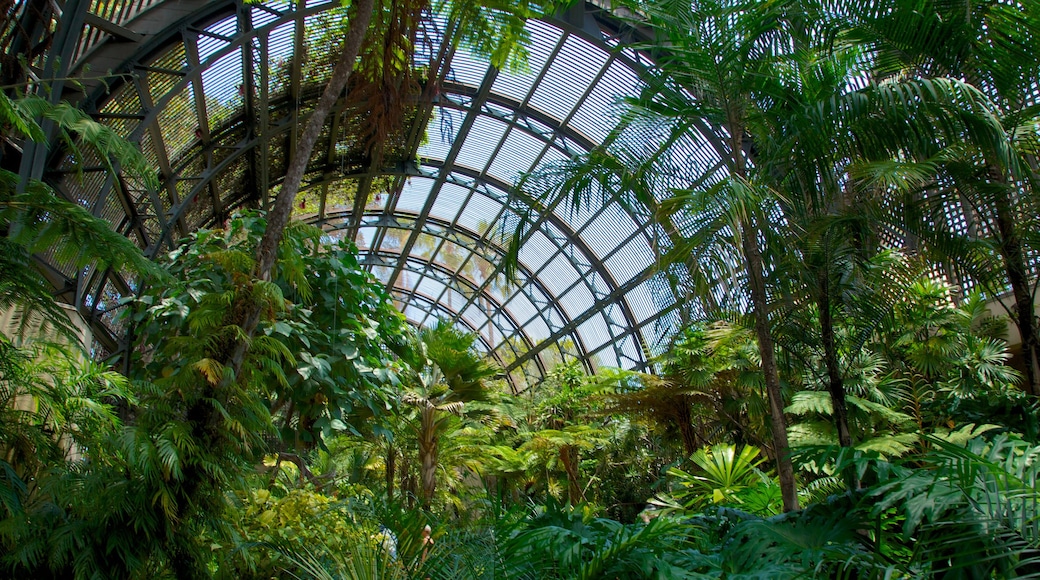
[433,256]
[264,182]
[470,285]
[467,124]
[167,178]
[248,90]
[516,119]
[469,197]
[58,65]
[559,125]
[160,70]
[560,225]
[563,227]
[435,250]
[521,113]
[204,181]
[112,28]
[482,289]
[616,296]
[130,209]
[296,71]
[456,234]
[191,50]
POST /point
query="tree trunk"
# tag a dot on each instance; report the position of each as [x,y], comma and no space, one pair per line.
[279,215]
[835,383]
[428,454]
[569,458]
[685,421]
[391,462]
[1018,276]
[778,423]
[739,143]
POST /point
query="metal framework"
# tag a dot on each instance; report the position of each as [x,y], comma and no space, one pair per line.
[215,93]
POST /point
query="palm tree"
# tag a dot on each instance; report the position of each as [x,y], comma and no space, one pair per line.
[718,53]
[449,374]
[993,46]
[825,120]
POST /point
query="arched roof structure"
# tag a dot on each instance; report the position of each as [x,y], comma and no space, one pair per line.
[215,93]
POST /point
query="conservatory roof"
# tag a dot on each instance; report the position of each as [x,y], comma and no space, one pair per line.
[215,92]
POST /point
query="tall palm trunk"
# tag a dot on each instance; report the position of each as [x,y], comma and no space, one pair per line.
[835,382]
[684,418]
[760,309]
[1018,277]
[777,421]
[428,453]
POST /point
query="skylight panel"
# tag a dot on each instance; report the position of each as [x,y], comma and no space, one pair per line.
[497,293]
[594,332]
[632,355]
[467,69]
[227,28]
[517,155]
[208,45]
[481,142]
[280,44]
[604,356]
[178,123]
[558,275]
[577,217]
[414,314]
[553,156]
[536,250]
[442,135]
[609,229]
[449,201]
[393,239]
[569,76]
[553,318]
[266,15]
[517,84]
[417,187]
[221,84]
[476,318]
[479,214]
[537,329]
[412,200]
[455,301]
[365,237]
[521,308]
[599,113]
[581,299]
[425,245]
[481,269]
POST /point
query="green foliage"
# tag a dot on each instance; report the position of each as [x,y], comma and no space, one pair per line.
[320,354]
[570,543]
[300,521]
[36,220]
[725,477]
[971,511]
[53,406]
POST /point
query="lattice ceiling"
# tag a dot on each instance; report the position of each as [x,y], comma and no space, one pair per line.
[215,93]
